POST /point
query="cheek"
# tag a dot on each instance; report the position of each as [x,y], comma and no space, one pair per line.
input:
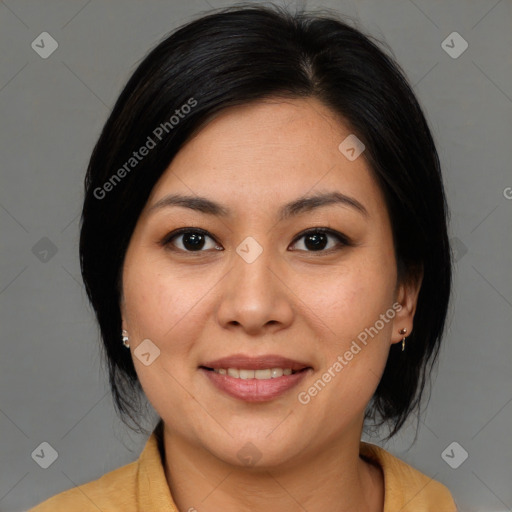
[159,298]
[163,306]
[351,297]
[354,338]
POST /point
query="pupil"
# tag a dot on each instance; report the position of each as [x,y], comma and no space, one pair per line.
[317,243]
[193,240]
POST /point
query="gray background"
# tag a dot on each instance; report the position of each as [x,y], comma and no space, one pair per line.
[53,387]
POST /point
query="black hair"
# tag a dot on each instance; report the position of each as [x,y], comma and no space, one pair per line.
[234,56]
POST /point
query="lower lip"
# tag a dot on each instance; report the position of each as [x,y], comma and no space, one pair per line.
[255,390]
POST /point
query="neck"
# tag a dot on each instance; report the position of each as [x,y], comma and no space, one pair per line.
[334,478]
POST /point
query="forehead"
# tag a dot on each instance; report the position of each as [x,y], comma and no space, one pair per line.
[266,153]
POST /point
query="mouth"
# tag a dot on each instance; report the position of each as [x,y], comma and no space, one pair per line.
[255,379]
[246,374]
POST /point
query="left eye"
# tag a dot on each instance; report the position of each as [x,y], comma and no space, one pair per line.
[315,240]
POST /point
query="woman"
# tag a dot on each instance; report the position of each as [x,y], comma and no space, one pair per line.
[264,242]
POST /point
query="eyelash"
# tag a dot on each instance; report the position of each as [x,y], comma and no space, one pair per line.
[342,239]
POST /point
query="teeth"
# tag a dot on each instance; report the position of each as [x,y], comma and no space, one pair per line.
[263,374]
[269,373]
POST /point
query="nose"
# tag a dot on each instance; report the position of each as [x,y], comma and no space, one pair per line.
[254,295]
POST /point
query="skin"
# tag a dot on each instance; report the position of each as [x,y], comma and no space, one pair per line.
[293,301]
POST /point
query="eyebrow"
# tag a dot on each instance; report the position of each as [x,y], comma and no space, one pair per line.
[301,205]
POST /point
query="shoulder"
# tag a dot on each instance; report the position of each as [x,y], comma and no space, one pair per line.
[406,488]
[140,485]
[113,491]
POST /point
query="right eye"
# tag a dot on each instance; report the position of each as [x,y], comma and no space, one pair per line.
[192,240]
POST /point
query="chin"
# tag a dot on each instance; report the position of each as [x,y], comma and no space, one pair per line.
[259,451]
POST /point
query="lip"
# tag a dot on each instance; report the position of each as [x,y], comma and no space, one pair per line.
[255,390]
[256,362]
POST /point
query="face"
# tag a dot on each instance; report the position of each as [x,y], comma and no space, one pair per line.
[263,285]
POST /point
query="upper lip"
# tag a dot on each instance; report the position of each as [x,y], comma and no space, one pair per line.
[262,362]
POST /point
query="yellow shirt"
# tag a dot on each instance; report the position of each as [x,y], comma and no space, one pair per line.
[142,487]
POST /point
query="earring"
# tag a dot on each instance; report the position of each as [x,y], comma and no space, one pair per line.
[403,331]
[124,335]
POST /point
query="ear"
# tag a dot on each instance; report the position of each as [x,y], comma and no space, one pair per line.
[406,295]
